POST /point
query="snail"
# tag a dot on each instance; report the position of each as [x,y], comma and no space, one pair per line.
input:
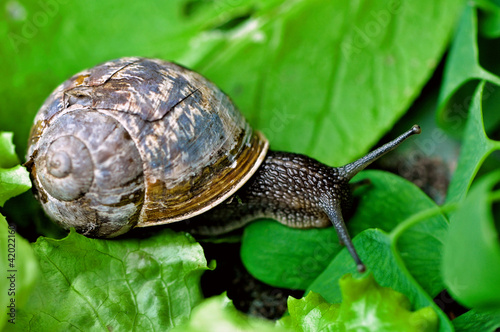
[138,142]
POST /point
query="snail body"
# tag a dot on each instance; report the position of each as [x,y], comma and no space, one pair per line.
[138,142]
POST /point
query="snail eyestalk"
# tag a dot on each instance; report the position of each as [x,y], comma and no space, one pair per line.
[334,212]
[350,170]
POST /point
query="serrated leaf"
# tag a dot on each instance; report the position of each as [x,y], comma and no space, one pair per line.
[126,284]
[219,314]
[311,313]
[366,306]
[471,259]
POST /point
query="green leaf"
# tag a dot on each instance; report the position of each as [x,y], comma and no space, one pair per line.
[473,321]
[45,42]
[288,74]
[219,314]
[8,157]
[462,66]
[126,284]
[310,313]
[416,224]
[475,148]
[490,23]
[286,257]
[293,258]
[346,50]
[366,306]
[383,260]
[471,259]
[14,180]
[20,269]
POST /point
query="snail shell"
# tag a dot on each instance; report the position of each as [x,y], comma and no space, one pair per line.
[138,142]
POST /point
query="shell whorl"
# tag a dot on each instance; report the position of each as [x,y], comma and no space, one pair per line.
[89,173]
[59,164]
[67,171]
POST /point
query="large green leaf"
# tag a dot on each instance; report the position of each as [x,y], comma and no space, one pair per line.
[317,68]
[293,258]
[313,67]
[101,285]
[44,42]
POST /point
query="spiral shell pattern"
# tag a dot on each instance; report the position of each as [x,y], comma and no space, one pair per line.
[138,142]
